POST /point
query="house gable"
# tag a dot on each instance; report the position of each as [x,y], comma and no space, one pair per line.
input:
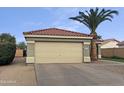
[110,44]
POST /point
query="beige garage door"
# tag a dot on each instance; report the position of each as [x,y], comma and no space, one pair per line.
[58,52]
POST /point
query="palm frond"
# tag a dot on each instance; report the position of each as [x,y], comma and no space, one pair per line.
[94,17]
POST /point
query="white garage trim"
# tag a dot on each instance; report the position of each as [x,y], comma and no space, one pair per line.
[57,36]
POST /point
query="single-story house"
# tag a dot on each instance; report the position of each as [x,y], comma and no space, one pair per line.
[110,43]
[121,44]
[55,45]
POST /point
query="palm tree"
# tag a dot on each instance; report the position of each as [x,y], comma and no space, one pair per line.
[92,19]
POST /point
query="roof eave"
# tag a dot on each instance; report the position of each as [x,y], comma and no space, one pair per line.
[51,36]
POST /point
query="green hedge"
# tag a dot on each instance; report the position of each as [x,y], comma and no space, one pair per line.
[7,53]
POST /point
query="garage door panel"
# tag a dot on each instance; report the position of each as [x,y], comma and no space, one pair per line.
[55,52]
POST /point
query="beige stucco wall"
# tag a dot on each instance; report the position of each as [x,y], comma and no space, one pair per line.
[30,52]
[107,52]
[119,52]
[111,44]
[19,52]
[99,51]
[86,48]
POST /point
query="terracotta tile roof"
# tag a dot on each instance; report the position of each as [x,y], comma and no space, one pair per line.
[121,43]
[99,41]
[56,32]
[112,39]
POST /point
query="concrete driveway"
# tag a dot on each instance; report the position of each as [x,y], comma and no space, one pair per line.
[93,74]
[17,74]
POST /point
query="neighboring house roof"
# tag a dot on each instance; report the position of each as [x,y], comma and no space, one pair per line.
[99,41]
[56,32]
[121,43]
[109,40]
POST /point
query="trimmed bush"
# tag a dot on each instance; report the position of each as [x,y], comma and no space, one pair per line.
[7,48]
[7,53]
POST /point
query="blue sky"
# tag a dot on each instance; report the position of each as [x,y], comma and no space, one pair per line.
[18,20]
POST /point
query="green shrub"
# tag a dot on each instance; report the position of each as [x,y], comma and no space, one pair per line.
[116,57]
[7,48]
[7,53]
[7,38]
[113,57]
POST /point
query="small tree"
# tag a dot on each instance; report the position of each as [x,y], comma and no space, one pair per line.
[21,45]
[7,48]
[7,38]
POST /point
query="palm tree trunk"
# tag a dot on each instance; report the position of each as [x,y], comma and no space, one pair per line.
[93,50]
